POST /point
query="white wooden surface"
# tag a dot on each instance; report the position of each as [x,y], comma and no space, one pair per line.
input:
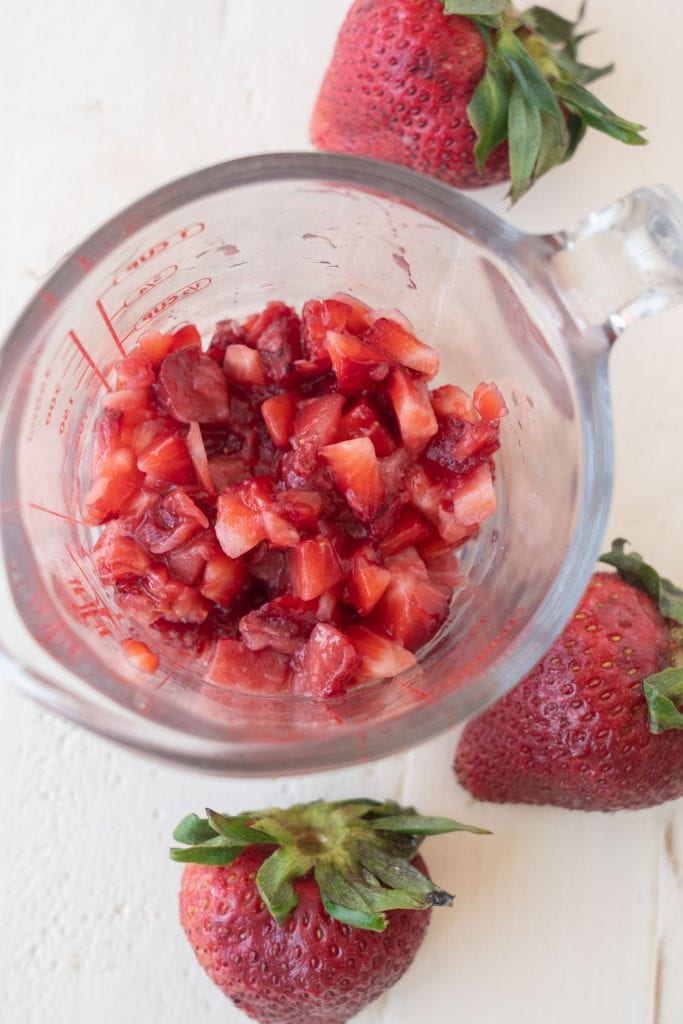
[560,917]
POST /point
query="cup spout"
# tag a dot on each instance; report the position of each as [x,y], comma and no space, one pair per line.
[624,262]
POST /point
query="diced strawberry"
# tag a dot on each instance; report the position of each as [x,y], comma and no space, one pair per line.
[258,492]
[441,561]
[301,467]
[279,532]
[478,440]
[380,657]
[139,502]
[167,459]
[393,469]
[188,561]
[413,410]
[409,529]
[356,473]
[283,625]
[455,509]
[186,336]
[489,402]
[269,566]
[118,556]
[412,608]
[233,665]
[397,345]
[450,400]
[274,313]
[278,415]
[147,431]
[134,371]
[243,365]
[238,527]
[356,365]
[140,654]
[118,478]
[156,346]
[276,333]
[318,318]
[133,406]
[458,447]
[312,370]
[367,579]
[192,387]
[223,579]
[327,609]
[171,523]
[363,420]
[300,507]
[474,498]
[172,599]
[227,332]
[314,568]
[227,470]
[325,666]
[317,421]
[195,446]
[394,315]
[357,321]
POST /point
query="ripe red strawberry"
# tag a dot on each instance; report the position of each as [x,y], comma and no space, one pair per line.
[306,915]
[576,732]
[468,91]
[356,473]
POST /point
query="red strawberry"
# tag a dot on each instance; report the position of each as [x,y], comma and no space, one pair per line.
[192,387]
[167,459]
[414,413]
[356,365]
[363,420]
[356,473]
[223,579]
[317,421]
[325,665]
[238,527]
[575,732]
[412,608]
[282,625]
[306,915]
[367,579]
[237,668]
[314,568]
[468,92]
[398,345]
[118,556]
[278,415]
[140,654]
[243,365]
[380,657]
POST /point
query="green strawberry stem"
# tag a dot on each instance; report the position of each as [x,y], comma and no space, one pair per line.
[359,851]
[533,91]
[663,690]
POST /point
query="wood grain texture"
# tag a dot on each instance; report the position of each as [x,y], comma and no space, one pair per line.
[560,917]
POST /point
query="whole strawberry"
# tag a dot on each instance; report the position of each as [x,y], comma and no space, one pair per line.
[305,915]
[469,91]
[582,730]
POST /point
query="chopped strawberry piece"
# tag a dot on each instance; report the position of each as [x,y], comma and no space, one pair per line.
[413,410]
[317,421]
[314,568]
[367,579]
[172,599]
[458,447]
[197,450]
[134,371]
[356,365]
[397,345]
[363,420]
[380,657]
[192,387]
[278,415]
[279,532]
[227,470]
[167,459]
[140,654]
[118,556]
[300,507]
[455,509]
[171,523]
[235,666]
[283,625]
[450,400]
[146,432]
[325,666]
[393,469]
[357,321]
[277,334]
[356,473]
[223,579]
[412,608]
[257,493]
[186,336]
[118,478]
[395,315]
[318,318]
[133,407]
[243,365]
[300,468]
[409,529]
[474,498]
[270,567]
[274,313]
[188,561]
[238,527]
[477,439]
[441,561]
[227,332]
[156,346]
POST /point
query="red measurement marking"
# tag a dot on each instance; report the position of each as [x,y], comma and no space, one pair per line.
[110,327]
[86,356]
[166,678]
[170,300]
[153,282]
[166,243]
[59,515]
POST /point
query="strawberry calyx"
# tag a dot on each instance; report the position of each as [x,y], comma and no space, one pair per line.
[663,690]
[359,852]
[533,91]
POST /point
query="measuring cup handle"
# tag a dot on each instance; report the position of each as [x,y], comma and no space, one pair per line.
[623,262]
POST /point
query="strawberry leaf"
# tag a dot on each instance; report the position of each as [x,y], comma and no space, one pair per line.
[528,75]
[475,8]
[355,918]
[555,28]
[274,881]
[634,570]
[663,692]
[597,115]
[236,829]
[524,140]
[216,852]
[417,825]
[554,144]
[488,109]
[193,830]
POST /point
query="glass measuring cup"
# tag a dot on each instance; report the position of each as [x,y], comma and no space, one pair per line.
[536,314]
